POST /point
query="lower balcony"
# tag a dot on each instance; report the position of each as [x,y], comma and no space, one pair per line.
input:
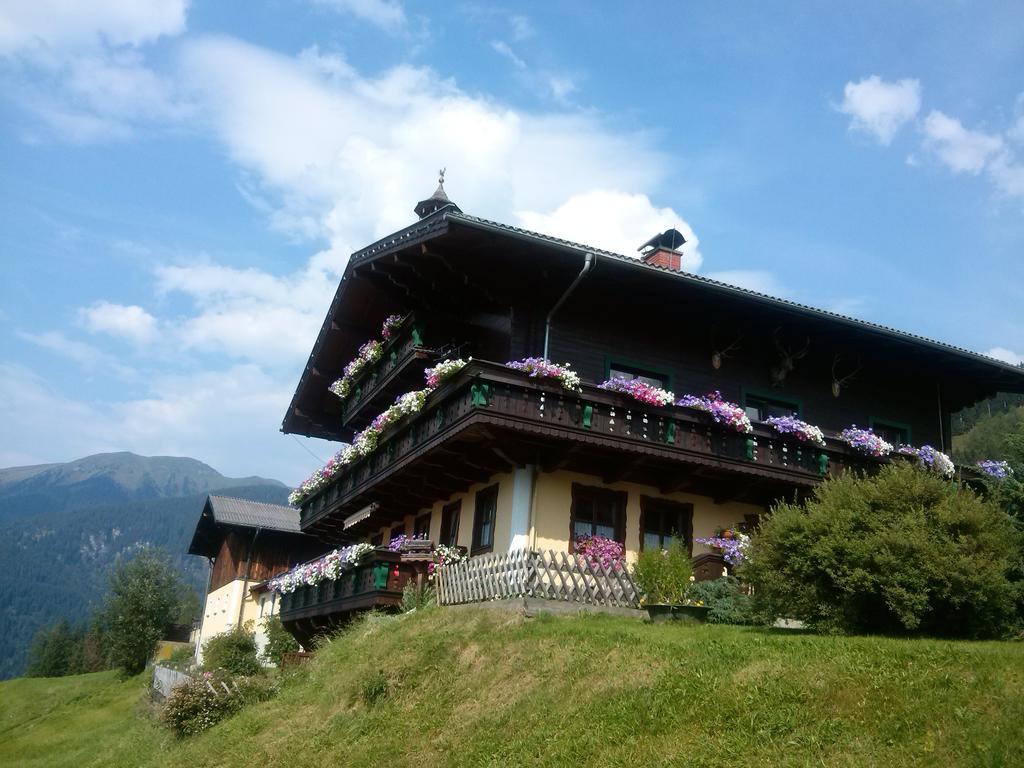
[488,419]
[377,582]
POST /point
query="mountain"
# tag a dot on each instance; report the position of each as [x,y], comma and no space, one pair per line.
[62,526]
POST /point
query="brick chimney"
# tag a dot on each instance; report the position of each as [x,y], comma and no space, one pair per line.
[663,250]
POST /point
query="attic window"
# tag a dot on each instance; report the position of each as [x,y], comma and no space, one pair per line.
[761,407]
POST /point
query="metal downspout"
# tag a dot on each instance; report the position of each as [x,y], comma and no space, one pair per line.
[590,258]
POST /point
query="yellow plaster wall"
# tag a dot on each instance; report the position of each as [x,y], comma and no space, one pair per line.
[553,500]
[220,614]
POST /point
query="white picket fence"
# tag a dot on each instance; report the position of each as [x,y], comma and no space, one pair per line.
[524,573]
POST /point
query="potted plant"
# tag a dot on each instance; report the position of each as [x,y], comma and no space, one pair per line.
[664,577]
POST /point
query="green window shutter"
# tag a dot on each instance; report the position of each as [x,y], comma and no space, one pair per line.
[750,448]
[588,416]
[380,576]
[670,433]
[481,395]
[822,463]
[417,339]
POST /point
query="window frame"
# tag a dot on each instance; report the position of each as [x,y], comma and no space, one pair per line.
[637,368]
[582,492]
[377,539]
[452,511]
[773,397]
[416,525]
[683,508]
[874,421]
[400,527]
[478,547]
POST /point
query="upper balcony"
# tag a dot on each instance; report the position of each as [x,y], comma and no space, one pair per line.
[399,369]
[488,419]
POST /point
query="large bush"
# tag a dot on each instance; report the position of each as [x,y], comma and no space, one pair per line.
[279,640]
[663,576]
[204,701]
[234,652]
[899,551]
[726,599]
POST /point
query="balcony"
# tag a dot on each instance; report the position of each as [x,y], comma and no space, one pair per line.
[399,370]
[377,582]
[488,419]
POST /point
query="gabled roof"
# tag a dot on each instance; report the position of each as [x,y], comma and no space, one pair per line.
[221,512]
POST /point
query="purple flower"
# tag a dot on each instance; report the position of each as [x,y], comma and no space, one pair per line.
[999,470]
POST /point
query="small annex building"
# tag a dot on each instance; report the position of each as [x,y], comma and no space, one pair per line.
[245,542]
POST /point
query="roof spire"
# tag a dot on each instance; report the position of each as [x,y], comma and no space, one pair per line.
[436,201]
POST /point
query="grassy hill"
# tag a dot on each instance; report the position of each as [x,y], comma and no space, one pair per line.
[476,687]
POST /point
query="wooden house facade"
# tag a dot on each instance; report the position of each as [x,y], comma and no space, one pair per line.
[497,461]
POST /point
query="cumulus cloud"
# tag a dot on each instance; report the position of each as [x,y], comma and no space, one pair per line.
[1006,355]
[615,221]
[960,150]
[880,107]
[47,26]
[128,322]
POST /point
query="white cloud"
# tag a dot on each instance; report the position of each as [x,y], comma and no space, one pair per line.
[1006,355]
[386,14]
[503,48]
[87,356]
[881,108]
[613,221]
[522,27]
[129,322]
[959,149]
[758,280]
[46,26]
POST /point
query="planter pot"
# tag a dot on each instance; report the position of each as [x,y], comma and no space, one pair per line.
[659,612]
[691,614]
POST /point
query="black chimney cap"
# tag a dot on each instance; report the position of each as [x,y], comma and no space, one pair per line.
[672,239]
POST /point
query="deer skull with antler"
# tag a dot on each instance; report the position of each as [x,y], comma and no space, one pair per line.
[718,355]
[839,382]
[787,359]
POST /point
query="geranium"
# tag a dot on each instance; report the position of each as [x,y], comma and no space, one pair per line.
[391,324]
[539,367]
[443,370]
[734,547]
[321,477]
[601,551]
[801,430]
[369,353]
[398,542]
[722,411]
[639,390]
[865,441]
[930,458]
[1000,470]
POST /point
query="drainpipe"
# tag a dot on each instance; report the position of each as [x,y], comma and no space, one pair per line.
[589,260]
[938,402]
[245,581]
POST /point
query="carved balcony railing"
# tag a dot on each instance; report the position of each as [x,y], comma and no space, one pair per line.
[376,582]
[399,370]
[497,398]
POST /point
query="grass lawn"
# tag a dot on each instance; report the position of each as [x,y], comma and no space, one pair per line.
[476,687]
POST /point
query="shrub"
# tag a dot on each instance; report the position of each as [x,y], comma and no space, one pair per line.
[663,576]
[180,658]
[725,598]
[279,640]
[414,598]
[203,702]
[234,652]
[899,551]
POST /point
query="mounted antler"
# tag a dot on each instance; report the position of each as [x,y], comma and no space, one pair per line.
[718,355]
[787,359]
[837,382]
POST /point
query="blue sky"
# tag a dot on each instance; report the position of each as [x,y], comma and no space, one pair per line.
[181,184]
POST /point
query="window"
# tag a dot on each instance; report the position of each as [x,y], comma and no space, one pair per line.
[421,527]
[891,432]
[597,512]
[630,372]
[662,521]
[450,523]
[483,520]
[396,530]
[760,407]
[376,539]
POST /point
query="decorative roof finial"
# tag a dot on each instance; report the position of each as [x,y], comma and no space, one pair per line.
[436,201]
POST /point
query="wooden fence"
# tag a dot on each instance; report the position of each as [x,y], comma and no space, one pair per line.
[166,680]
[547,574]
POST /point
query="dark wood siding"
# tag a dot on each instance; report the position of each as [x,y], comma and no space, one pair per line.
[273,553]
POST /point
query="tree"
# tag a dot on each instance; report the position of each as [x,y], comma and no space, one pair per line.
[279,640]
[144,599]
[56,651]
[900,551]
